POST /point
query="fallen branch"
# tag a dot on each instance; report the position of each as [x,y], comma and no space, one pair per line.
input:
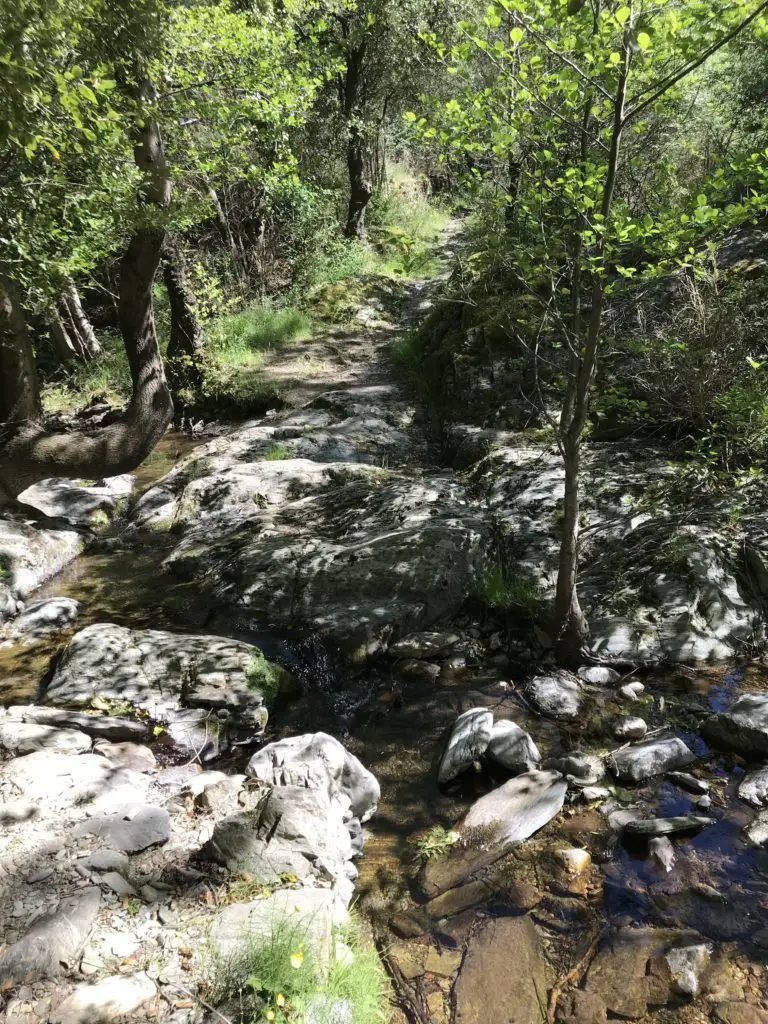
[574,974]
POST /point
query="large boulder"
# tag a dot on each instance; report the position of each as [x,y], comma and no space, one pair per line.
[512,747]
[197,686]
[28,557]
[743,728]
[318,761]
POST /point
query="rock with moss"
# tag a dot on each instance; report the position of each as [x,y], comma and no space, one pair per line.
[203,689]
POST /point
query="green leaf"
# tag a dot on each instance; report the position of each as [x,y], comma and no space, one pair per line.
[622,15]
[643,40]
[516,34]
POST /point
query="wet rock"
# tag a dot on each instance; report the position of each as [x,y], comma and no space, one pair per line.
[513,996]
[467,743]
[443,963]
[411,958]
[25,738]
[419,671]
[423,645]
[131,829]
[46,615]
[31,556]
[663,851]
[650,758]
[135,756]
[580,1007]
[105,999]
[574,860]
[53,943]
[631,691]
[689,782]
[581,769]
[753,788]
[599,675]
[520,807]
[318,761]
[630,729]
[757,830]
[557,695]
[164,673]
[667,826]
[99,726]
[456,900]
[590,793]
[739,1013]
[512,747]
[410,924]
[315,910]
[687,967]
[618,973]
[743,728]
[704,802]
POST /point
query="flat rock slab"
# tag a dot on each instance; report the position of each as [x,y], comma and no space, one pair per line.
[160,672]
[104,727]
[557,695]
[667,826]
[467,743]
[26,737]
[57,780]
[105,1000]
[423,645]
[46,616]
[512,747]
[618,973]
[753,788]
[131,830]
[743,728]
[520,807]
[312,914]
[654,757]
[53,943]
[505,976]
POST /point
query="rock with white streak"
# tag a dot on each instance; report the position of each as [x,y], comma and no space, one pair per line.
[467,743]
[520,807]
[558,695]
[630,729]
[654,757]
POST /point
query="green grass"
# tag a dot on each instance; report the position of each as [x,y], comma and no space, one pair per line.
[243,339]
[496,589]
[276,978]
[276,453]
[73,386]
[436,841]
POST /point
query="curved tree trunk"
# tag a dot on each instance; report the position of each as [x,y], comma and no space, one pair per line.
[33,453]
[360,188]
[19,390]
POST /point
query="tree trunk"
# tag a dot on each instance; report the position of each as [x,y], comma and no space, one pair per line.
[62,343]
[33,453]
[187,341]
[360,189]
[571,626]
[85,337]
[19,390]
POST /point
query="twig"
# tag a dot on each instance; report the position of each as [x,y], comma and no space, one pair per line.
[199,999]
[574,974]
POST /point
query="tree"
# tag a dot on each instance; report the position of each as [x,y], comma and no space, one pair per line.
[571,80]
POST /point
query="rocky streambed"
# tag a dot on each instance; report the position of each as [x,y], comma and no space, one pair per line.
[282,678]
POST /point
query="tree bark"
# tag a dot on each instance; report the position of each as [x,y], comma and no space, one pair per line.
[19,389]
[351,95]
[60,337]
[187,341]
[360,188]
[33,453]
[85,337]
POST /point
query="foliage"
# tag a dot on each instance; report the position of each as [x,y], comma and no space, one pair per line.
[276,977]
[497,588]
[436,842]
[266,676]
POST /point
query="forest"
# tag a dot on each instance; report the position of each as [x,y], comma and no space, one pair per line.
[384,511]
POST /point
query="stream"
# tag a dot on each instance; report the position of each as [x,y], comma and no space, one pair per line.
[718,887]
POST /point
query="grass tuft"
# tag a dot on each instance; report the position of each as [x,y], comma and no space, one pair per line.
[497,590]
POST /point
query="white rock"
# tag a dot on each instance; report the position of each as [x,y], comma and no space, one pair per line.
[654,757]
[599,675]
[630,729]
[26,737]
[106,999]
[664,852]
[687,965]
[631,691]
[512,747]
[574,860]
[520,807]
[753,788]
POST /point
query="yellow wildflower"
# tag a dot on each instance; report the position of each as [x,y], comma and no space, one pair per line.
[297,959]
[270,1015]
[280,999]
